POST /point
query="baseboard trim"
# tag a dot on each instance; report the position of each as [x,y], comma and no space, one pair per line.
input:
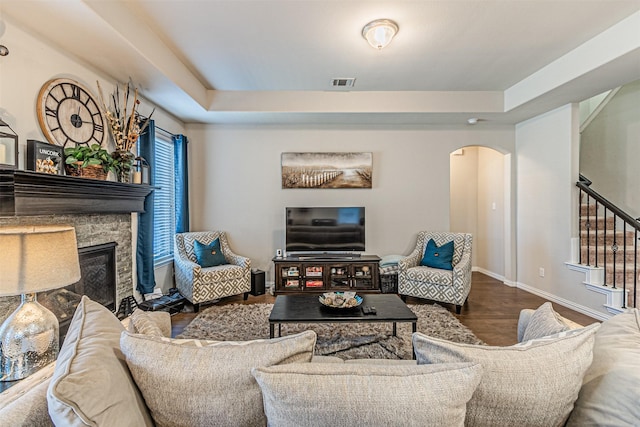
[495,276]
[563,302]
[511,283]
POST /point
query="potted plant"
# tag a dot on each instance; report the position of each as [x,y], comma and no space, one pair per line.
[89,161]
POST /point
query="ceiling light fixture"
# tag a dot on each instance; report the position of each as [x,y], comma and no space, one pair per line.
[380,32]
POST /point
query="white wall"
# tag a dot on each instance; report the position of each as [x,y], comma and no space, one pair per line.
[29,65]
[588,106]
[491,210]
[236,187]
[478,205]
[463,213]
[610,150]
[547,158]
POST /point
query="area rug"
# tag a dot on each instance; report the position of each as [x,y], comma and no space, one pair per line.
[237,322]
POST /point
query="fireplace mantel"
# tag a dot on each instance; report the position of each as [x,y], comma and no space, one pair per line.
[26,193]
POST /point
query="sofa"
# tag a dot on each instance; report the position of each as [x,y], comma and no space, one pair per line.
[131,373]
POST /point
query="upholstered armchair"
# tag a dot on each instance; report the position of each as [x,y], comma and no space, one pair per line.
[200,284]
[449,286]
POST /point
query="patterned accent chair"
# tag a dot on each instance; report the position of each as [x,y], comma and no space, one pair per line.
[198,284]
[449,286]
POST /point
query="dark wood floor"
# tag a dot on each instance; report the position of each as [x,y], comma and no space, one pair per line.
[491,312]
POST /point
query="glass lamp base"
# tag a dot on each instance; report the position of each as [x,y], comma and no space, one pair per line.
[29,340]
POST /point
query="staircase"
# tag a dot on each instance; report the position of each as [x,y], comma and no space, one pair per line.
[609,242]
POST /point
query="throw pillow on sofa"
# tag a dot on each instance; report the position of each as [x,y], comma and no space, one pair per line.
[544,322]
[209,255]
[161,319]
[211,380]
[438,256]
[317,394]
[611,387]
[91,384]
[142,323]
[530,384]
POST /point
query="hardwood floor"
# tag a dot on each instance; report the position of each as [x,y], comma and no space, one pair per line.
[491,312]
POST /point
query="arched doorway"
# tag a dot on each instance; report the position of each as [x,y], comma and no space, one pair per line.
[481,204]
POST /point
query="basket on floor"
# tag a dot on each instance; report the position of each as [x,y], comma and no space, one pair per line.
[389,283]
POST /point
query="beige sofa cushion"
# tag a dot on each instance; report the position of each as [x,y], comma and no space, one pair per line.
[544,321]
[525,317]
[29,410]
[610,393]
[91,384]
[299,395]
[143,323]
[197,383]
[534,383]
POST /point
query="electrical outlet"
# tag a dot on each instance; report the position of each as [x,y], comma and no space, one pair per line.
[541,272]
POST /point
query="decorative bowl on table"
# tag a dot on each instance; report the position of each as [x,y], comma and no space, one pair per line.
[342,300]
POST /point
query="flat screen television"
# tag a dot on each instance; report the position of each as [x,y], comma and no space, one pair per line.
[324,229]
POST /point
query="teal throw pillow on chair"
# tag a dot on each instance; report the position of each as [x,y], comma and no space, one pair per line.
[438,256]
[209,255]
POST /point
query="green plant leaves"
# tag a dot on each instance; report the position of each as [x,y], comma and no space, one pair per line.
[94,155]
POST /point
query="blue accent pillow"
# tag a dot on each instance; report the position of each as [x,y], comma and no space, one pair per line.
[438,256]
[209,255]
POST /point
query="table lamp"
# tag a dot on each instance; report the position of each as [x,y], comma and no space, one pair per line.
[33,259]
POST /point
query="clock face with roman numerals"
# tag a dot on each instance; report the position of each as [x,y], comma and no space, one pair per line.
[69,115]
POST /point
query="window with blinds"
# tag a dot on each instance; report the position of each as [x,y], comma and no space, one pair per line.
[164,221]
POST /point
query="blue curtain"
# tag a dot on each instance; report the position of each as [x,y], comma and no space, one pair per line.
[144,252]
[181,183]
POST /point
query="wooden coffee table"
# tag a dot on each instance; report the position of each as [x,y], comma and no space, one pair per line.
[308,309]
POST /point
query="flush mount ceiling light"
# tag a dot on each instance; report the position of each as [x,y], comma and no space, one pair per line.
[380,32]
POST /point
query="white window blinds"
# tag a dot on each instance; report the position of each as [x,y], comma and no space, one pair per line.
[164,221]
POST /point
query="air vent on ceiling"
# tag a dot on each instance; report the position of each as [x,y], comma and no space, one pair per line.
[348,82]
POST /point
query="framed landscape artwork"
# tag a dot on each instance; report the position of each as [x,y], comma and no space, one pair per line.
[326,170]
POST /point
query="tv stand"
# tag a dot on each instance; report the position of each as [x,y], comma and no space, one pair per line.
[326,273]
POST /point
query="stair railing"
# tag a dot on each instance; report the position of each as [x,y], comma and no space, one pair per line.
[619,217]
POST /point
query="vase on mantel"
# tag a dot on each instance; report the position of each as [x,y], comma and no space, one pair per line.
[125,162]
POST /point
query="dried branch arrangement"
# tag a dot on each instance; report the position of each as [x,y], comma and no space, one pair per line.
[124,122]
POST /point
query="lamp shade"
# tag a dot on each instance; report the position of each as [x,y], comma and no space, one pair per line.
[37,259]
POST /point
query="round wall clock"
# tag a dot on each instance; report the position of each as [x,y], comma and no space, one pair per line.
[69,114]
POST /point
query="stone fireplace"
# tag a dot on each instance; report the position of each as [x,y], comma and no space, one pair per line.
[100,212]
[94,233]
[92,230]
[97,281]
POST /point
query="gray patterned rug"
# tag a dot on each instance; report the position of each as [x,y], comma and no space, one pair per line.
[345,340]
